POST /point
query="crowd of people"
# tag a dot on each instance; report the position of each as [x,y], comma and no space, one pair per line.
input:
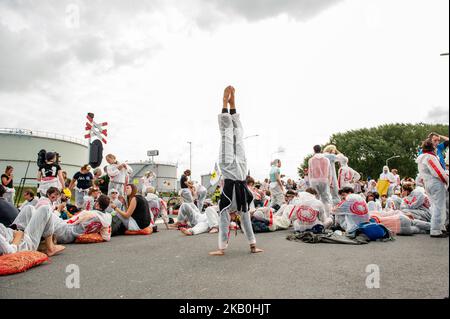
[329,196]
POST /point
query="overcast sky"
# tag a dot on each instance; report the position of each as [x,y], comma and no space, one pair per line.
[155,70]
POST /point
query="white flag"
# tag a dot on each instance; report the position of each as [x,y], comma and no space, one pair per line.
[215,175]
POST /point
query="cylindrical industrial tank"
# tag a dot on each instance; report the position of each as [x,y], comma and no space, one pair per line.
[19,148]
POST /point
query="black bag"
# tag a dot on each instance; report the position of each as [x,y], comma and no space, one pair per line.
[260,226]
[41,158]
[96,154]
[117,227]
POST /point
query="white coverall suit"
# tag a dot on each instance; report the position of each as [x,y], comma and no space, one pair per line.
[320,178]
[436,186]
[233,164]
[118,178]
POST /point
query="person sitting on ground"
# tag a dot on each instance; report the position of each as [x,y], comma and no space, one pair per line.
[52,199]
[394,202]
[67,231]
[351,211]
[103,181]
[207,222]
[372,203]
[30,199]
[200,195]
[92,195]
[190,215]
[31,225]
[383,201]
[157,206]
[115,199]
[415,202]
[7,211]
[310,212]
[137,216]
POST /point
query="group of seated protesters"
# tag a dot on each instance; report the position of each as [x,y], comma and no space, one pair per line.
[49,222]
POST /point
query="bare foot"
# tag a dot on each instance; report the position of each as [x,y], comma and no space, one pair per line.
[226,97]
[213,230]
[186,232]
[219,252]
[55,250]
[231,99]
[255,250]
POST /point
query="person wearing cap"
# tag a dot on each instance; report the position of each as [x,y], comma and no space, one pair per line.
[114,199]
[81,182]
[50,174]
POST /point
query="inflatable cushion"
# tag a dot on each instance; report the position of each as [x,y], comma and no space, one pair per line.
[20,262]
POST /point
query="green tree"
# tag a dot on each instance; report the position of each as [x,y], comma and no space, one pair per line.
[367,149]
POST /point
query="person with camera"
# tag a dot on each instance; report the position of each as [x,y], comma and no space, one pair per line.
[50,174]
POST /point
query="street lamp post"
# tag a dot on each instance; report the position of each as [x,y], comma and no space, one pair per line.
[256,135]
[190,156]
[387,161]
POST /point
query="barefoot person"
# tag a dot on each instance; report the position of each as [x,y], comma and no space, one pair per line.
[235,197]
[34,224]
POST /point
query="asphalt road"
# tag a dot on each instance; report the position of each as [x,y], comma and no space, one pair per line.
[170,265]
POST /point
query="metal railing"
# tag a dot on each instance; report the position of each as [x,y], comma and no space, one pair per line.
[36,133]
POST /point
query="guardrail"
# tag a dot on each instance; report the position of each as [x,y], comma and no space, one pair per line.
[37,133]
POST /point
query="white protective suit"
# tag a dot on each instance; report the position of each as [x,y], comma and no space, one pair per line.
[387,175]
[347,176]
[188,212]
[158,207]
[201,196]
[319,174]
[118,178]
[436,186]
[351,212]
[418,204]
[334,181]
[233,164]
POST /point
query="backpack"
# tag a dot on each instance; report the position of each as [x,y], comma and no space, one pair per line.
[260,226]
[41,158]
[117,227]
[373,231]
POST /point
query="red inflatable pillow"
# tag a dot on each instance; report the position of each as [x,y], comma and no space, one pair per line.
[89,239]
[145,231]
[20,262]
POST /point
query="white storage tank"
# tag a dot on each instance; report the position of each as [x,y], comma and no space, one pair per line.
[166,174]
[19,149]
